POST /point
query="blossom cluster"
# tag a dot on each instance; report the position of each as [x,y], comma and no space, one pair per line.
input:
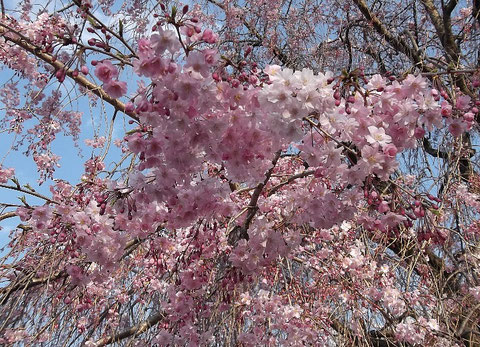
[242,190]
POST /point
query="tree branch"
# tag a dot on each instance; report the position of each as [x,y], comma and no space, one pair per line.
[449,7]
[7,215]
[256,194]
[119,38]
[21,41]
[35,281]
[241,232]
[30,192]
[396,42]
[444,31]
[132,331]
[432,151]
[290,179]
[32,282]
[276,51]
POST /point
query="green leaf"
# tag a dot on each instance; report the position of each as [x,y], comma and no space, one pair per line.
[23,200]
[120,28]
[92,22]
[121,56]
[27,186]
[14,180]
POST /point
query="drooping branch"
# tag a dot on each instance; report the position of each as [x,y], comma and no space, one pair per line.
[112,32]
[36,281]
[30,283]
[443,30]
[464,163]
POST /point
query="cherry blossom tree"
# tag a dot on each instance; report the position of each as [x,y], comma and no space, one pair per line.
[272,173]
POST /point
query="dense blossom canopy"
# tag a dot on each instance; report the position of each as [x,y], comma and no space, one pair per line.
[264,189]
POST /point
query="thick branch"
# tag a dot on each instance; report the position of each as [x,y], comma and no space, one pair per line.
[7,215]
[449,7]
[443,27]
[444,30]
[256,194]
[476,11]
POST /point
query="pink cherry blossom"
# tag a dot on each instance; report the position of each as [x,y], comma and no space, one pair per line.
[377,135]
[164,40]
[106,71]
[115,89]
[6,174]
[197,65]
[251,190]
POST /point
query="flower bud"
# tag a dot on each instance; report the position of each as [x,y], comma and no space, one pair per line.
[129,107]
[60,74]
[190,31]
[419,132]
[383,207]
[469,116]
